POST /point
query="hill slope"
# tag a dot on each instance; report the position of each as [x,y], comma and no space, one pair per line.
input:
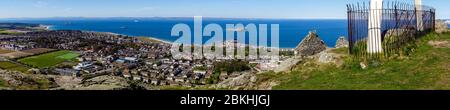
[428,67]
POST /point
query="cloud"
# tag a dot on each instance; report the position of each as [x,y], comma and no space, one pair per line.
[40,4]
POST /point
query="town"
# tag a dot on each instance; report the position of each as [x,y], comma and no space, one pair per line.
[87,55]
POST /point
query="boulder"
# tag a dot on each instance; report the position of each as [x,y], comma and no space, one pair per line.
[105,82]
[310,45]
[341,42]
[441,26]
[245,81]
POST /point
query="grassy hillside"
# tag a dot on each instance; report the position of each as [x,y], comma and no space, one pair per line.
[2,83]
[428,67]
[13,67]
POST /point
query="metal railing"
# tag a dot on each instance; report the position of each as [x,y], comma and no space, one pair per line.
[399,26]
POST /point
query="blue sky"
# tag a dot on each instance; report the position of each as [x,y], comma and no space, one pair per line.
[187,8]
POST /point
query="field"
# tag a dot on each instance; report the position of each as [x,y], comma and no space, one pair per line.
[24,53]
[38,50]
[13,67]
[49,59]
[9,32]
[16,54]
[5,51]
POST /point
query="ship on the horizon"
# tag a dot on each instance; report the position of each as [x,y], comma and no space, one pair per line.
[236,29]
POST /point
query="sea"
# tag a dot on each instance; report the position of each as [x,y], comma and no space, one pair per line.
[291,31]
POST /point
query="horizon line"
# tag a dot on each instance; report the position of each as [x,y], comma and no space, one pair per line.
[81,17]
[57,17]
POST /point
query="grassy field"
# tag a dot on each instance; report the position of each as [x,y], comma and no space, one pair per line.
[49,59]
[7,32]
[69,56]
[2,83]
[13,67]
[428,67]
[5,51]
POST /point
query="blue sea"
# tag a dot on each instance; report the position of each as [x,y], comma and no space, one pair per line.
[292,31]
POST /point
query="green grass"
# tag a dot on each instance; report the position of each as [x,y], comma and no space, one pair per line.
[9,32]
[13,67]
[49,59]
[2,83]
[69,56]
[426,68]
[340,51]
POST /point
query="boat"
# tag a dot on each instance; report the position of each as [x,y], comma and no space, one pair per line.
[236,29]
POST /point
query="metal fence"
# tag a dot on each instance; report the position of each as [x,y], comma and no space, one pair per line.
[399,26]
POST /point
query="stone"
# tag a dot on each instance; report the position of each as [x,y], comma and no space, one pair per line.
[325,57]
[310,45]
[439,44]
[363,65]
[105,82]
[441,26]
[341,42]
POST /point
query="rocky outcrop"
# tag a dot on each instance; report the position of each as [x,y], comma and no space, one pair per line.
[441,26]
[104,83]
[439,44]
[245,81]
[67,82]
[341,42]
[17,80]
[399,36]
[310,45]
[329,56]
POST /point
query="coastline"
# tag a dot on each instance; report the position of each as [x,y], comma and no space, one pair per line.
[159,29]
[143,38]
[49,28]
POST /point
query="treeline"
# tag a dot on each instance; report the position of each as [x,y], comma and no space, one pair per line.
[231,66]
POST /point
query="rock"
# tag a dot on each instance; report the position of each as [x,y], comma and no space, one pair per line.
[67,82]
[399,36]
[341,42]
[328,56]
[105,82]
[310,45]
[363,65]
[439,44]
[325,57]
[267,85]
[246,80]
[441,26]
[17,80]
